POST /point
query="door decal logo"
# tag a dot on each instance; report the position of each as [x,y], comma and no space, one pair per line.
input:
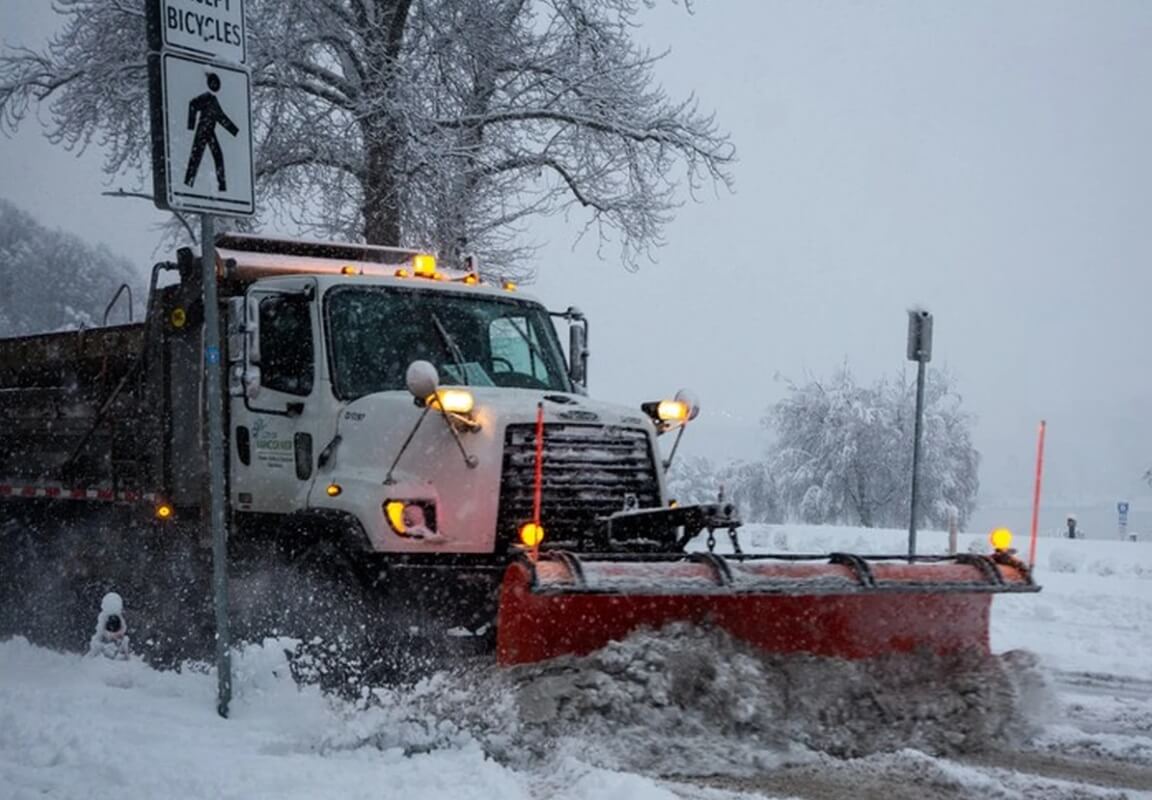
[272,451]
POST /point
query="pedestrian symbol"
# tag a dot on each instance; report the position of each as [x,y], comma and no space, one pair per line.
[205,163]
[204,114]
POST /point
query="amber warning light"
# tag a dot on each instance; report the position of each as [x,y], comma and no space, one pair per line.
[531,534]
[424,265]
[1001,539]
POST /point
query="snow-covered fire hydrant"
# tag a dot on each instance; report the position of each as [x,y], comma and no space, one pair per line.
[111,637]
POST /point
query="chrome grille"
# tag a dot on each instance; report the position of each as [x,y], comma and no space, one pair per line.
[590,472]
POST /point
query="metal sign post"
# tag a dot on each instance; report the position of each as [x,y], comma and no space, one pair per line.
[202,161]
[217,512]
[920,351]
[1122,519]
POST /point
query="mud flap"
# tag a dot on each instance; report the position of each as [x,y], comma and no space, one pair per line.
[841,605]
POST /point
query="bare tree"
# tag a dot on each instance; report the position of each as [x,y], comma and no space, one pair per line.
[442,123]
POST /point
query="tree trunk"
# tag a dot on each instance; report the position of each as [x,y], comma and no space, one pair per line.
[381,195]
[382,26]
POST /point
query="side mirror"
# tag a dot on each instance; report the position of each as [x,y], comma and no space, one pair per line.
[252,330]
[422,380]
[577,346]
[577,366]
[245,316]
[690,401]
[251,381]
[236,337]
[235,330]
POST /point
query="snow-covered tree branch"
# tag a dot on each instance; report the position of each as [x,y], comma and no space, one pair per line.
[844,452]
[748,484]
[438,123]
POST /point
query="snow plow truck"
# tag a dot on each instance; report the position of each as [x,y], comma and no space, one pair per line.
[414,460]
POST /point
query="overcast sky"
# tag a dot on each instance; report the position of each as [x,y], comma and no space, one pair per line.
[991,161]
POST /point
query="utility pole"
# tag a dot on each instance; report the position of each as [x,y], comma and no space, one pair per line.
[920,351]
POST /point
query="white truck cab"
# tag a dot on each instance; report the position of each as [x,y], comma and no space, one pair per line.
[372,385]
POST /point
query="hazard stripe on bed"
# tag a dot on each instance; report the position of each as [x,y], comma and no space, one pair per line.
[57,492]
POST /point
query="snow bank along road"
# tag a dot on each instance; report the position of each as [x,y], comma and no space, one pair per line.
[682,715]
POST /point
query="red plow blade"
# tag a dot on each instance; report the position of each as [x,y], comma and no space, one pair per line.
[842,605]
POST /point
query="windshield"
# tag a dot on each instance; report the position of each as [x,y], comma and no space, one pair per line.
[374,333]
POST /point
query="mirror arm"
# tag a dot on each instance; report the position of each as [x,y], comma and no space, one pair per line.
[388,477]
[675,444]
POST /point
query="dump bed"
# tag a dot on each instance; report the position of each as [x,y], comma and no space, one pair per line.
[73,407]
[114,410]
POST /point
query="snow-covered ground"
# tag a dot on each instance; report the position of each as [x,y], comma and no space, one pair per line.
[73,727]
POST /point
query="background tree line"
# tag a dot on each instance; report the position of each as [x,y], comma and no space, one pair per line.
[841,453]
[55,281]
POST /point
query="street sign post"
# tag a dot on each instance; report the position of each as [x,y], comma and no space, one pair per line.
[202,135]
[1122,517]
[920,351]
[201,113]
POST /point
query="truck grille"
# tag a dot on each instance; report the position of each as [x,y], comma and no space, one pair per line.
[590,472]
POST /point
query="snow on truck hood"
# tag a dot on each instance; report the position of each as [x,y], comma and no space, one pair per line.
[502,406]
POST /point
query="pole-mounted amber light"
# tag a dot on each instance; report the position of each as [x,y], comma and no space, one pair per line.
[531,534]
[1001,539]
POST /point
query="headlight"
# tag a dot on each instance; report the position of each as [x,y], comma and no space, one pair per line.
[414,518]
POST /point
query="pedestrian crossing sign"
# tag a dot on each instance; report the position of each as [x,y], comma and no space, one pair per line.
[201,135]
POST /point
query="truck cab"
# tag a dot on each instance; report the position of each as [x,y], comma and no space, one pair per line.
[411,402]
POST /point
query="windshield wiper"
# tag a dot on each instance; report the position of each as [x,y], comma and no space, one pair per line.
[528,341]
[453,348]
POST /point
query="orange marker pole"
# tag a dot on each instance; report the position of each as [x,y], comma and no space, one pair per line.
[538,482]
[1036,495]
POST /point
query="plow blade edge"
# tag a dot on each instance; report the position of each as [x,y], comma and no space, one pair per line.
[842,605]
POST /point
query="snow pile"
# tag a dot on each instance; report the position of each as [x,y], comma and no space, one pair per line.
[694,689]
[691,701]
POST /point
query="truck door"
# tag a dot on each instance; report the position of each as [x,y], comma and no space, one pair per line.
[274,418]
